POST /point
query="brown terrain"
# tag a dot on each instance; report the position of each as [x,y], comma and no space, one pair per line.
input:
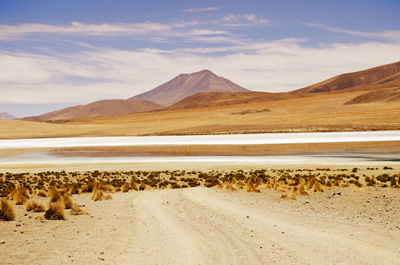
[185,85]
[98,109]
[354,107]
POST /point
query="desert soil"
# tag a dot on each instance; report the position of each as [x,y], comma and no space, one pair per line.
[213,226]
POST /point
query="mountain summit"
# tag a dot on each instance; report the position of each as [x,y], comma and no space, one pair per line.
[185,85]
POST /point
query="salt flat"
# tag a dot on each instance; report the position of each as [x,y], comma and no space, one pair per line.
[233,139]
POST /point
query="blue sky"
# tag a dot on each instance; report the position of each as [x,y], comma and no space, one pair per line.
[60,53]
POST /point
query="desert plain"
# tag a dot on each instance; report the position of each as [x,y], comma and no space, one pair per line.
[275,215]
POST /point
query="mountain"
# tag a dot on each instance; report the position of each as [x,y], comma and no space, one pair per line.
[97,109]
[386,92]
[185,85]
[361,80]
[5,115]
[214,99]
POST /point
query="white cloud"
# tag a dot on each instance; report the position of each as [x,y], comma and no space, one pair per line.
[386,34]
[281,65]
[240,20]
[207,32]
[201,9]
[12,32]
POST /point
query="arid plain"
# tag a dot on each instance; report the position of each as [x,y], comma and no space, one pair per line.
[211,212]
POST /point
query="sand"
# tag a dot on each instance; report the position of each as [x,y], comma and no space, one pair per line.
[212,226]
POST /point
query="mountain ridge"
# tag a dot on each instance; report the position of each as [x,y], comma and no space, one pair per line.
[99,108]
[185,85]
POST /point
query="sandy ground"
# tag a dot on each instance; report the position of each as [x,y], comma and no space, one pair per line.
[315,113]
[212,226]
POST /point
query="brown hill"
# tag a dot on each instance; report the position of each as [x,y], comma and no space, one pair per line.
[98,109]
[357,80]
[213,99]
[378,93]
[185,85]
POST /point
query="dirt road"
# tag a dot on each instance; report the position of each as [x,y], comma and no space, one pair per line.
[207,226]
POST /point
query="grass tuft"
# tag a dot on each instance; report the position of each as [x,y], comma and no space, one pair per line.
[55,211]
[35,206]
[7,212]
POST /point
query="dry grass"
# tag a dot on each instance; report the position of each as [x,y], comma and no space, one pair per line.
[7,212]
[126,187]
[35,206]
[55,211]
[54,195]
[19,196]
[42,193]
[68,202]
[76,210]
[99,195]
[252,184]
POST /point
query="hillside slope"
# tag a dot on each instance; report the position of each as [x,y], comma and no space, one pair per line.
[185,85]
[357,80]
[98,109]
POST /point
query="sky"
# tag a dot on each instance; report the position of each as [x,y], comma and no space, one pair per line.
[57,53]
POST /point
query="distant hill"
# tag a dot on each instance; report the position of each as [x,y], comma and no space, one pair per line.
[186,85]
[5,115]
[386,92]
[361,80]
[98,109]
[213,99]
[205,89]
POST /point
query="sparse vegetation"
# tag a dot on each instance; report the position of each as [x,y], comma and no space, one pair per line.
[35,206]
[59,186]
[7,212]
[55,211]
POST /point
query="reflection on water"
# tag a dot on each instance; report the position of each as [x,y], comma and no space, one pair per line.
[350,157]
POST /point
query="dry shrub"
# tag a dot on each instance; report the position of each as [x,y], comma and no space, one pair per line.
[55,211]
[229,186]
[142,186]
[19,196]
[252,184]
[76,210]
[35,206]
[317,187]
[240,184]
[234,180]
[68,202]
[87,188]
[300,190]
[73,189]
[99,195]
[42,193]
[125,187]
[280,187]
[290,196]
[54,195]
[134,186]
[7,212]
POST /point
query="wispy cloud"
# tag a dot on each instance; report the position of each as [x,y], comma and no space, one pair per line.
[386,34]
[207,32]
[11,32]
[275,66]
[241,20]
[201,9]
